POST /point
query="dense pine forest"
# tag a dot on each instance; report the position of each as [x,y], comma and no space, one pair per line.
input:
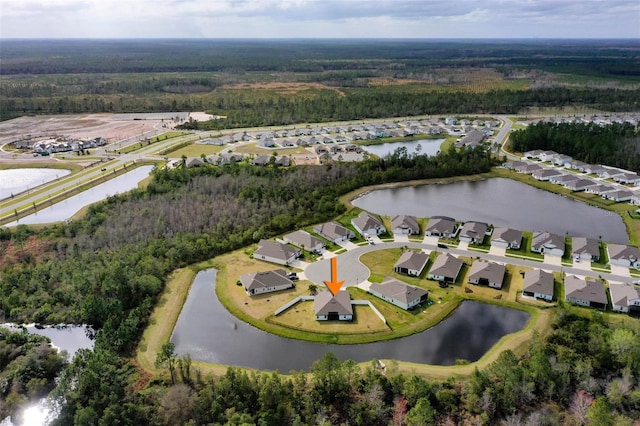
[258,82]
[615,145]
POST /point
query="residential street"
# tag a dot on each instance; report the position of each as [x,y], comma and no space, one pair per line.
[354,273]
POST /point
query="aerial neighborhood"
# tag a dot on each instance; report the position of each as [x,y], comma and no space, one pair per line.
[431,255]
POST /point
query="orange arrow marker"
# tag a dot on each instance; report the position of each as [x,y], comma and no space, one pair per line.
[334,285]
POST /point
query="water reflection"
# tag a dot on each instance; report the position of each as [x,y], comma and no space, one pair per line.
[501,202]
[427,146]
[15,181]
[208,332]
[67,208]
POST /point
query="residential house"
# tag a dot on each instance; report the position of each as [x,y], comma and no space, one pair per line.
[283,161]
[473,138]
[576,165]
[600,189]
[533,154]
[593,169]
[194,162]
[265,282]
[473,232]
[546,174]
[562,160]
[563,179]
[538,284]
[275,252]
[506,238]
[610,173]
[528,168]
[440,226]
[334,232]
[398,293]
[627,178]
[585,249]
[445,268]
[547,243]
[367,224]
[512,165]
[579,185]
[618,196]
[487,273]
[547,155]
[304,240]
[404,224]
[623,255]
[261,160]
[583,292]
[333,308]
[411,263]
[624,297]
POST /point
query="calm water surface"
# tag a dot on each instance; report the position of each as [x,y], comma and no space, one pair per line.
[15,181]
[67,208]
[428,146]
[501,202]
[208,332]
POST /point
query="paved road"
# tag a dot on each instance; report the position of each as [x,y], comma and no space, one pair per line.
[354,273]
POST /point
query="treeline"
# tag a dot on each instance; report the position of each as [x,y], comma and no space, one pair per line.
[29,366]
[616,144]
[140,56]
[584,373]
[247,108]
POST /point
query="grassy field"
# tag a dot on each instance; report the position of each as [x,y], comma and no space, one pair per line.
[195,150]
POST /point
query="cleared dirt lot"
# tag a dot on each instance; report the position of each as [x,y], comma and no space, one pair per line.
[113,127]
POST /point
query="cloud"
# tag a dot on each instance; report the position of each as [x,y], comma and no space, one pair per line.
[320,18]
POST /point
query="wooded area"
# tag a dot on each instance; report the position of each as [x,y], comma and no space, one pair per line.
[616,144]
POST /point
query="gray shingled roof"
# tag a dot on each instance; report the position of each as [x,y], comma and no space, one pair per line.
[303,238]
[412,260]
[365,221]
[580,245]
[395,289]
[446,265]
[621,294]
[256,280]
[406,222]
[276,250]
[507,234]
[474,230]
[325,302]
[493,272]
[331,230]
[547,239]
[580,288]
[622,251]
[538,281]
[441,225]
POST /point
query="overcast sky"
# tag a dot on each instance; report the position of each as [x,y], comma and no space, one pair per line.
[320,18]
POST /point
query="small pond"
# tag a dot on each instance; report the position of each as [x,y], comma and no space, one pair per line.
[208,332]
[70,338]
[427,146]
[67,208]
[501,202]
[15,181]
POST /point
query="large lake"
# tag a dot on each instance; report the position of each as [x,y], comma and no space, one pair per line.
[427,146]
[208,332]
[501,202]
[67,208]
[15,181]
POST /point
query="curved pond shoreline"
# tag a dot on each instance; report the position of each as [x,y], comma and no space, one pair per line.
[208,332]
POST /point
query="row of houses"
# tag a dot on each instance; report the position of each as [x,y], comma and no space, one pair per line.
[339,134]
[577,180]
[51,146]
[597,119]
[225,159]
[625,297]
